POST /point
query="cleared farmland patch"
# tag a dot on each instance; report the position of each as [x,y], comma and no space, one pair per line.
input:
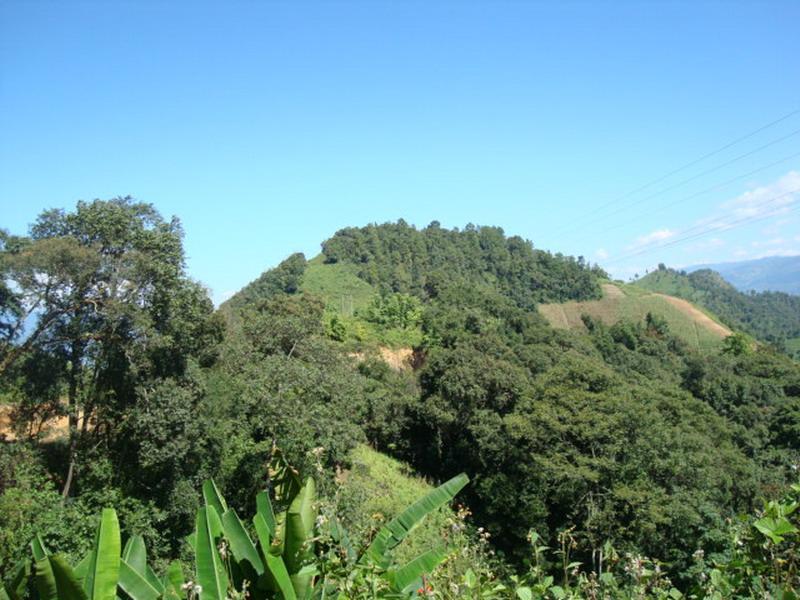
[619,302]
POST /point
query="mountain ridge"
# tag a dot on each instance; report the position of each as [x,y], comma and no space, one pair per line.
[770,273]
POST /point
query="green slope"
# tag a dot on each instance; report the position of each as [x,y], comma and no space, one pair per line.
[772,317]
[625,302]
[338,284]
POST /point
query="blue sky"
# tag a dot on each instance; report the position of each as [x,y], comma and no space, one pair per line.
[268,126]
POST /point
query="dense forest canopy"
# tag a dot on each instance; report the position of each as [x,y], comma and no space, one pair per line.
[619,436]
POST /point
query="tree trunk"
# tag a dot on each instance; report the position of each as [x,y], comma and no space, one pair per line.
[72,409]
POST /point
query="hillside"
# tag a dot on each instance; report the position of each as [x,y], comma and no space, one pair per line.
[772,273]
[622,302]
[633,430]
[772,317]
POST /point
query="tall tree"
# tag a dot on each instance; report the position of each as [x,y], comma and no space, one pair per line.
[107,288]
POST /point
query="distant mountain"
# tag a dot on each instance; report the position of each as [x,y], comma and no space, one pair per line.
[773,273]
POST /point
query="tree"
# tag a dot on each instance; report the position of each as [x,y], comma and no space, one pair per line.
[108,292]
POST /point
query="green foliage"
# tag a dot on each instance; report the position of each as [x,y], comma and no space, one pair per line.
[286,278]
[400,258]
[399,311]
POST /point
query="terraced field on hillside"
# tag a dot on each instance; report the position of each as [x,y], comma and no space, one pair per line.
[620,301]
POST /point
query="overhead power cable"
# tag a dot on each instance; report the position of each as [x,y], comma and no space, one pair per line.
[707,190]
[689,164]
[714,226]
[690,179]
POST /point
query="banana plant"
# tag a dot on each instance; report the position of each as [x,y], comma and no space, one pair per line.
[403,578]
[104,573]
[278,564]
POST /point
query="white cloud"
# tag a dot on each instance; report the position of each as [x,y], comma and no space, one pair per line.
[772,199]
[653,237]
[601,254]
[706,244]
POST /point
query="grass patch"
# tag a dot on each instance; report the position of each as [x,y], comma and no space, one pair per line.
[339,285]
[376,489]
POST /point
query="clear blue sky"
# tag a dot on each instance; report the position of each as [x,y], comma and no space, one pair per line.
[267,126]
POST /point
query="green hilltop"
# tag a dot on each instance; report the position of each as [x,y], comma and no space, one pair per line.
[771,317]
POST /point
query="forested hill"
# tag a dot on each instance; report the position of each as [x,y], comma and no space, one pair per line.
[612,438]
[772,317]
[400,258]
[397,257]
[620,430]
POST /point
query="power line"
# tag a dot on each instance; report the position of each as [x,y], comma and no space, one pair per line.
[691,163]
[702,192]
[689,180]
[718,224]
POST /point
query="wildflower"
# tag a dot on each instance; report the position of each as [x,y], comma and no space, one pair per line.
[223,550]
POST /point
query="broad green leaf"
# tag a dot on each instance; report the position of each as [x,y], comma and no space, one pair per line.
[172,582]
[15,590]
[524,593]
[276,577]
[398,528]
[264,508]
[153,579]
[279,576]
[210,571]
[134,583]
[67,584]
[45,580]
[103,572]
[241,544]
[299,527]
[558,592]
[83,567]
[409,575]
[38,549]
[301,581]
[213,497]
[135,554]
[775,529]
[470,579]
[262,533]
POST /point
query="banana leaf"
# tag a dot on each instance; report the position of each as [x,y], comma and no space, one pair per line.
[83,567]
[213,497]
[38,549]
[398,528]
[55,580]
[241,545]
[153,579]
[276,577]
[134,584]
[172,582]
[264,508]
[299,531]
[210,574]
[103,573]
[135,554]
[408,577]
